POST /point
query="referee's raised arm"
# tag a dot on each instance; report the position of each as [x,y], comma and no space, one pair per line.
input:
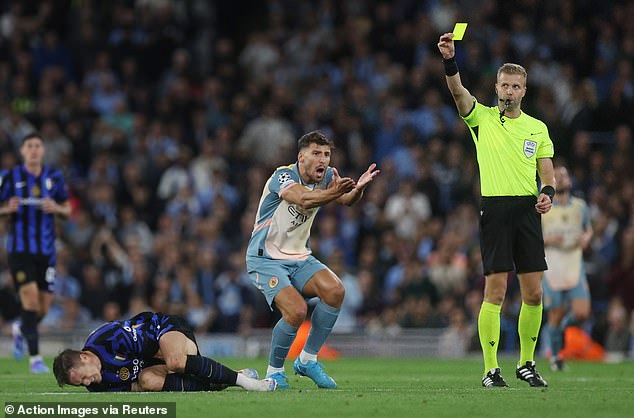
[462,97]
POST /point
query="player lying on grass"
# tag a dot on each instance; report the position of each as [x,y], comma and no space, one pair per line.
[149,352]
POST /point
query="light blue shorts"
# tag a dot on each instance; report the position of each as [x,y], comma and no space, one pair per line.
[271,276]
[559,298]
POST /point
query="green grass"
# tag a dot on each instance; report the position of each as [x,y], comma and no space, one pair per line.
[376,388]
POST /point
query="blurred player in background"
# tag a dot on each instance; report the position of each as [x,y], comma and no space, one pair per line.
[31,195]
[279,259]
[511,147]
[149,352]
[567,232]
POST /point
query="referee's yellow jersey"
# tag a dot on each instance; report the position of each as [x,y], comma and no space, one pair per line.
[508,151]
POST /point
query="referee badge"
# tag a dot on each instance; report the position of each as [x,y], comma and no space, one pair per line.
[529,148]
[20,276]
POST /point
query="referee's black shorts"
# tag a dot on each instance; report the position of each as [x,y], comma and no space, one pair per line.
[511,235]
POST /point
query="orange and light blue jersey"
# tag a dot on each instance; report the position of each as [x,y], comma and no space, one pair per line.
[282,229]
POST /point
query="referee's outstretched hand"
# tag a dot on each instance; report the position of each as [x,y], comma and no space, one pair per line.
[543,204]
[446,46]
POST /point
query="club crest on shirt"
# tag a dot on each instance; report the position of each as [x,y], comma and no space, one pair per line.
[529,148]
[273,282]
[124,373]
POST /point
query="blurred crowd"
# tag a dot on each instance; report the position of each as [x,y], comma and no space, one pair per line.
[167,117]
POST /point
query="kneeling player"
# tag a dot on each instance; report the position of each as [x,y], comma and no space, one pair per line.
[149,352]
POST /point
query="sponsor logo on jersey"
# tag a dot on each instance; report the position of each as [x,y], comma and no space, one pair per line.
[31,201]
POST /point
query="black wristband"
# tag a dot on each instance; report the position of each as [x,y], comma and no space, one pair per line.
[451,67]
[549,191]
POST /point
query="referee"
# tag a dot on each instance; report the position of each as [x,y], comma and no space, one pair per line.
[511,147]
[31,194]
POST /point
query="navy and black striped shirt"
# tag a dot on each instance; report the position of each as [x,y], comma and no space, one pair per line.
[125,347]
[31,230]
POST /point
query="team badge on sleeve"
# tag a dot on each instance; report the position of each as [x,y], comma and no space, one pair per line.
[273,282]
[285,179]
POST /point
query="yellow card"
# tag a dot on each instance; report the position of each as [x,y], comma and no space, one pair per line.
[459,30]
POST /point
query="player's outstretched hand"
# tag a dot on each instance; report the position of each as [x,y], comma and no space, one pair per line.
[446,46]
[367,177]
[543,204]
[341,184]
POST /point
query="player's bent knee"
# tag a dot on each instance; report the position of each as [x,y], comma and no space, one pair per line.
[176,362]
[581,316]
[334,296]
[296,314]
[150,382]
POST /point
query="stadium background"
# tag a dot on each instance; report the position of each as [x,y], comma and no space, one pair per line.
[167,117]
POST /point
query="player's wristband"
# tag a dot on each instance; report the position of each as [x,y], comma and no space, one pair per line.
[549,191]
[451,67]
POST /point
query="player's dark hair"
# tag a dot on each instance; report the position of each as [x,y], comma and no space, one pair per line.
[32,135]
[62,364]
[314,137]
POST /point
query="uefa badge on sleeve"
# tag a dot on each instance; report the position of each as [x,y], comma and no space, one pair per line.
[529,148]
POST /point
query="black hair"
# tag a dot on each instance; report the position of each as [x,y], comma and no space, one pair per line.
[62,364]
[314,137]
[32,135]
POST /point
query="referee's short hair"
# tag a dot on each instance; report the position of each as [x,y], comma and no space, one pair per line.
[510,68]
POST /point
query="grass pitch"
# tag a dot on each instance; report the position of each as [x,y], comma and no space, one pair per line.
[375,388]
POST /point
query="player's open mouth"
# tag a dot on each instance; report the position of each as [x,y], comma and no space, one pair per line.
[320,171]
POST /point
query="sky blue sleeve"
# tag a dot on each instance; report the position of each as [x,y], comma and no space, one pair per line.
[282,178]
